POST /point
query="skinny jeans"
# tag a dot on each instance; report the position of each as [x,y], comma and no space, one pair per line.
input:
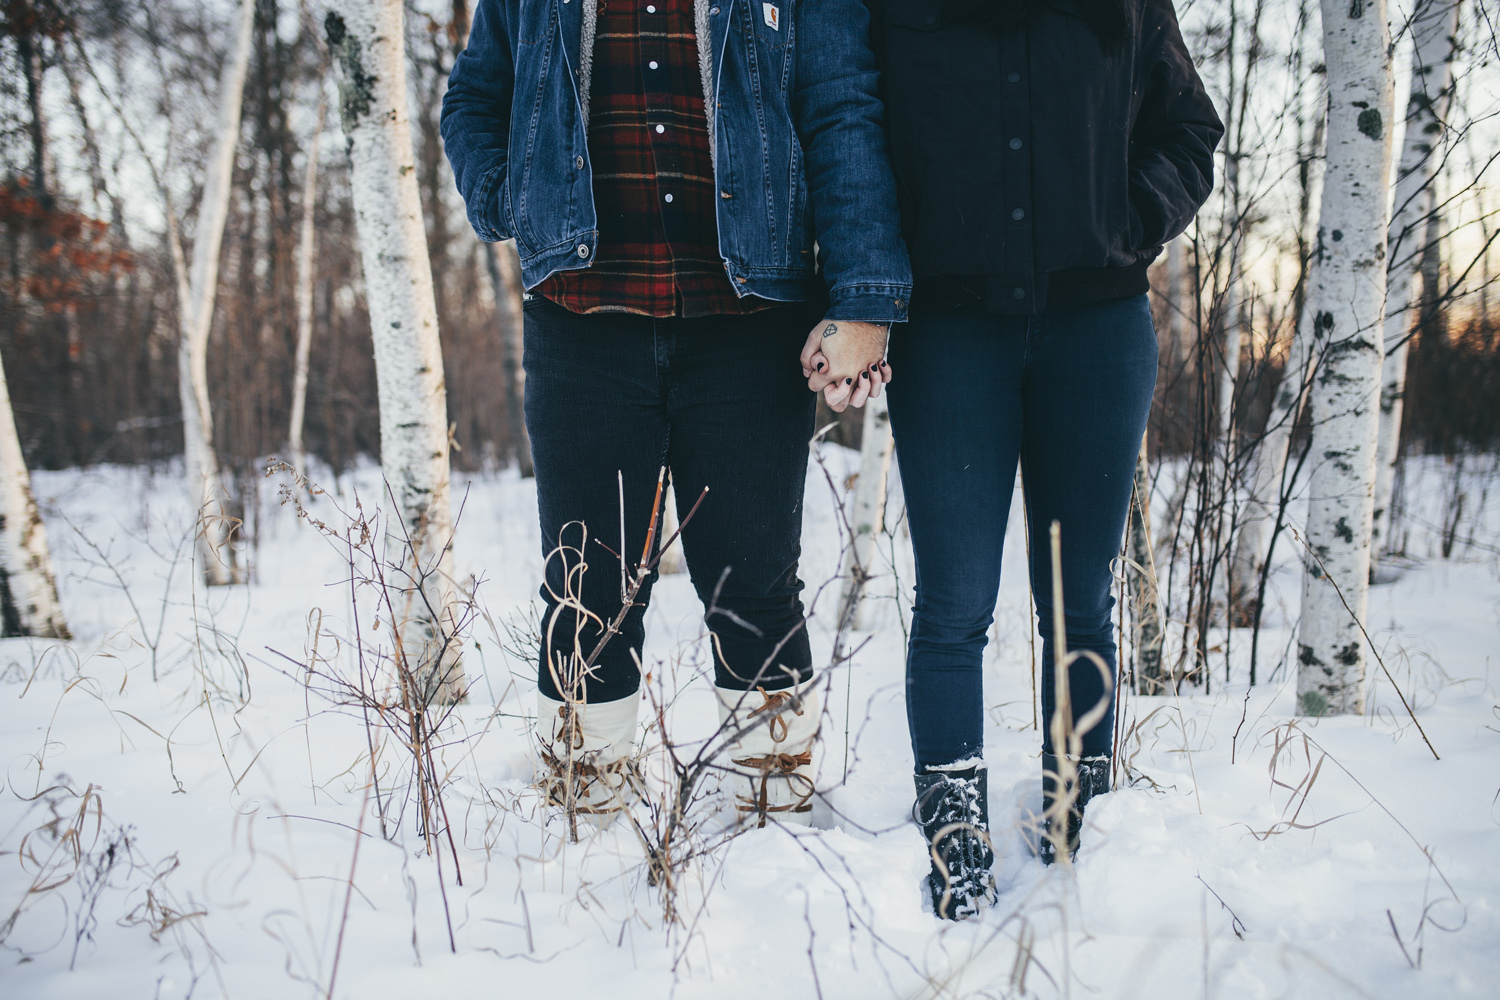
[1065,393]
[720,400]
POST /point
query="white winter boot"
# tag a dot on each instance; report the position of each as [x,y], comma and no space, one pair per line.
[772,761]
[596,778]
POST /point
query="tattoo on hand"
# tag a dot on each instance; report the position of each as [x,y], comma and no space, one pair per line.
[830,330]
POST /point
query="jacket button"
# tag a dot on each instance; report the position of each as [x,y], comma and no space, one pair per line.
[1013,78]
[1018,214]
[1015,144]
[583,251]
[1019,293]
[578,163]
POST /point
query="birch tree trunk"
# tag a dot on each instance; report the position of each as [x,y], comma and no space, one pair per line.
[1229,514]
[1267,488]
[1267,469]
[305,290]
[505,275]
[1434,47]
[196,313]
[366,39]
[28,583]
[1145,607]
[1349,298]
[867,516]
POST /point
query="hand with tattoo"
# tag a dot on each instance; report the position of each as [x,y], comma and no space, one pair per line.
[845,360]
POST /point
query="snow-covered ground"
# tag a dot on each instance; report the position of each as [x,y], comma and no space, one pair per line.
[181,816]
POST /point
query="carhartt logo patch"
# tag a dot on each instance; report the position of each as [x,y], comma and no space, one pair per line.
[772,14]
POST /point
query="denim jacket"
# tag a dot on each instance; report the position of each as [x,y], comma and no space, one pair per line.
[798,145]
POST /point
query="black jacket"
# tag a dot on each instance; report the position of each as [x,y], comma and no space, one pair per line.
[1044,163]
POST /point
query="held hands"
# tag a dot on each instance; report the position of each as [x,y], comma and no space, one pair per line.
[845,359]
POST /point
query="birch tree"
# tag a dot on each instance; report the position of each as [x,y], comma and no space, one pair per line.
[1348,297]
[1268,486]
[305,290]
[365,38]
[867,514]
[196,290]
[504,265]
[28,583]
[1434,48]
[1145,607]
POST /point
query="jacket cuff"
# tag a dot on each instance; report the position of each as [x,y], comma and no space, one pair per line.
[870,303]
[487,213]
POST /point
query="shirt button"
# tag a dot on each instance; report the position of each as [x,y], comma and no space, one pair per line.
[669,198]
[578,162]
[583,251]
[1015,144]
[653,64]
[1019,293]
[660,129]
[650,9]
[1018,214]
[1014,78]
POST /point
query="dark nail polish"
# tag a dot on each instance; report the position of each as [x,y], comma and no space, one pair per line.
[864,374]
[820,366]
[848,381]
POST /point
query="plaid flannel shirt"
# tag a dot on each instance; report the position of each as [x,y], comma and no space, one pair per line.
[658,250]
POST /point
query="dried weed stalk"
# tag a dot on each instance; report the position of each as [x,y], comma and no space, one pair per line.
[404,670]
[77,859]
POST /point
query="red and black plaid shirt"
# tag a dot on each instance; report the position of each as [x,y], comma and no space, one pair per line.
[658,250]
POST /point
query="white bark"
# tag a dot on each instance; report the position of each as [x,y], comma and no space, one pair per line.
[365,37]
[1145,607]
[1174,301]
[671,561]
[196,312]
[1234,583]
[1434,47]
[504,265]
[28,582]
[867,513]
[1349,298]
[1264,491]
[305,290]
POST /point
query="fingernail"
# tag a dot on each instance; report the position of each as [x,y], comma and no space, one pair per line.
[820,366]
[864,374]
[848,381]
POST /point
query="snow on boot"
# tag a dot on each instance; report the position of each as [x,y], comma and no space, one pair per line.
[952,809]
[772,760]
[596,778]
[1093,779]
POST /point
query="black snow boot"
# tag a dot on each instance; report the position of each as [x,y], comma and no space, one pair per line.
[1093,779]
[953,811]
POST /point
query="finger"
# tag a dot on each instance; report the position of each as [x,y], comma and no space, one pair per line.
[837,395]
[885,370]
[819,375]
[861,391]
[876,382]
[810,347]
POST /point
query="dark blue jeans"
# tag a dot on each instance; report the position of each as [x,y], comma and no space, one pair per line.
[722,402]
[1066,393]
